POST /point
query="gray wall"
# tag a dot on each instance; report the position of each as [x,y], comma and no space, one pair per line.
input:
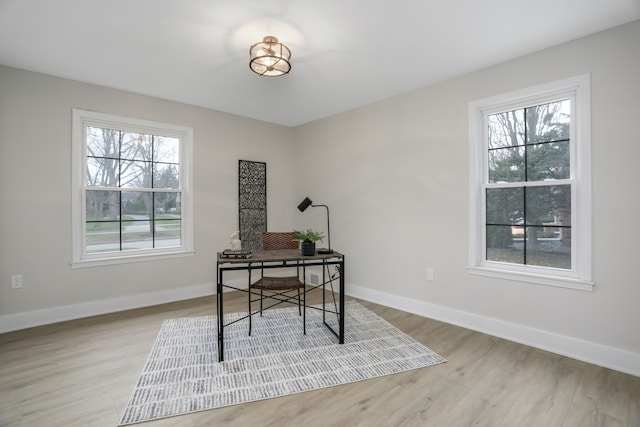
[397,180]
[395,174]
[35,178]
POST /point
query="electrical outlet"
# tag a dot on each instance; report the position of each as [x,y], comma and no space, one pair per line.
[16,281]
[429,273]
[314,279]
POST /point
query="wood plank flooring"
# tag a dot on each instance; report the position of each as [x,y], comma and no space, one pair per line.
[81,373]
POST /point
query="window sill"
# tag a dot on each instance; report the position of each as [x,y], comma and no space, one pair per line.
[562,282]
[99,262]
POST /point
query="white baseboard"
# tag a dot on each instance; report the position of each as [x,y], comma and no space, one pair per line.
[597,354]
[29,319]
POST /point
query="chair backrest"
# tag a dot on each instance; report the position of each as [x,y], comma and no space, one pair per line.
[277,240]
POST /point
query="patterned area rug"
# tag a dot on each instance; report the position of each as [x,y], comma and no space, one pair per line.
[182,373]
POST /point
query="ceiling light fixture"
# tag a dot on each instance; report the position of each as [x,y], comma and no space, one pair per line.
[269,57]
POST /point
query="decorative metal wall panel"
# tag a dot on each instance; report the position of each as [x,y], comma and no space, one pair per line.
[252,203]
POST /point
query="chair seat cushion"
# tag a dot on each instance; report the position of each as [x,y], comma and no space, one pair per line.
[278,283]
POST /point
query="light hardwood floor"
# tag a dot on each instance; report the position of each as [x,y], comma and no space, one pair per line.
[81,373]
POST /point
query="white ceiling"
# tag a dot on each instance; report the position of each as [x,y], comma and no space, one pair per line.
[346,53]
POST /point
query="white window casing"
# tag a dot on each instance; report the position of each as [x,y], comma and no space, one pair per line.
[577,90]
[81,257]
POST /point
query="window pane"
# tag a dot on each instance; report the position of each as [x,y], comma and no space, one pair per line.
[506,165]
[136,146]
[137,220]
[166,150]
[137,237]
[166,176]
[548,205]
[102,205]
[102,172]
[135,174]
[501,246]
[548,122]
[136,206]
[168,232]
[167,204]
[103,236]
[548,161]
[506,129]
[549,247]
[505,206]
[103,142]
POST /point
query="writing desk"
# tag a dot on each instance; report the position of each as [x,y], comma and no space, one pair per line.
[288,258]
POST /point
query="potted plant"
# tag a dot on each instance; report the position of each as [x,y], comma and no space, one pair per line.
[308,240]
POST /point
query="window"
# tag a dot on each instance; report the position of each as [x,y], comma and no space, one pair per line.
[131,189]
[530,189]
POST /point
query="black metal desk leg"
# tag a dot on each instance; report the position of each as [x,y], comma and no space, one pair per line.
[249,295]
[324,298]
[220,313]
[341,338]
[304,298]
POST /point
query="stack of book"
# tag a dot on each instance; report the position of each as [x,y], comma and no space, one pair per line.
[230,253]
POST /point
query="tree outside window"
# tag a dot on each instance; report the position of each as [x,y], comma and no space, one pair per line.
[530,222]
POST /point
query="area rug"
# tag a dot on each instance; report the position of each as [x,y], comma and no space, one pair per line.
[182,373]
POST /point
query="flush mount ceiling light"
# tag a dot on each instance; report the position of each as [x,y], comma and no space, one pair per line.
[269,57]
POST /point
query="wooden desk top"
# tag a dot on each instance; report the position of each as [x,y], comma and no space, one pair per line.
[275,256]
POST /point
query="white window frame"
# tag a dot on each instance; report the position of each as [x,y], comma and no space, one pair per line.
[577,89]
[80,120]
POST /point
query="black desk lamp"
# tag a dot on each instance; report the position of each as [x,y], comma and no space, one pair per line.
[302,207]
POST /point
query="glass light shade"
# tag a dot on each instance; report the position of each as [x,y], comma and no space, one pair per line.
[269,57]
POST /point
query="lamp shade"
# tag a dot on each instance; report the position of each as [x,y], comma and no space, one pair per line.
[304,204]
[270,57]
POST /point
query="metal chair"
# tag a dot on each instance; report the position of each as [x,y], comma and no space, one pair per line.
[277,287]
